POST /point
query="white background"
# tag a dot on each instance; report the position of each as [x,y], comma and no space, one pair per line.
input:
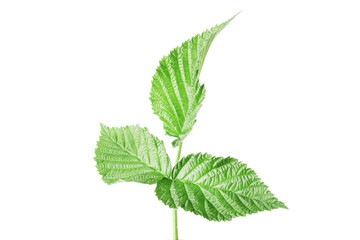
[283,96]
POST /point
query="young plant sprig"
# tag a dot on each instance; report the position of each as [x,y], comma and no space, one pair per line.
[215,188]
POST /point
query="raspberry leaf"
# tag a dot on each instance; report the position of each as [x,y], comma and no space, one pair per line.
[176,93]
[216,188]
[131,154]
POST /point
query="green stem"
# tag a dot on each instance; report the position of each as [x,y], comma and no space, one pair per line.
[176,237]
[175,222]
[179,153]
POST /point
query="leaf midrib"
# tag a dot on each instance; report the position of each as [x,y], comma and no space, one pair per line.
[217,188]
[140,160]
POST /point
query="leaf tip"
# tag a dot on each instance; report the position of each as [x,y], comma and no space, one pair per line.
[102,126]
[237,13]
[282,205]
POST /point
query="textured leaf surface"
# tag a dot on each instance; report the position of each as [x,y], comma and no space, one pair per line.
[176,93]
[131,153]
[216,188]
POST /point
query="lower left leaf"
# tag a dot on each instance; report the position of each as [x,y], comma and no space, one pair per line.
[131,154]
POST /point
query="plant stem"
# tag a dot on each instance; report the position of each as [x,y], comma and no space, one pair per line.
[175,222]
[179,152]
[176,237]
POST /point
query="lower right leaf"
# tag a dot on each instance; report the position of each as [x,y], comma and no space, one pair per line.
[216,188]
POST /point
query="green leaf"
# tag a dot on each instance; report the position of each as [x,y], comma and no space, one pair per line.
[131,154]
[176,93]
[216,188]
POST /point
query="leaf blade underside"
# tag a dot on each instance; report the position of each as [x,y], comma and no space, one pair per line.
[131,154]
[216,188]
[176,93]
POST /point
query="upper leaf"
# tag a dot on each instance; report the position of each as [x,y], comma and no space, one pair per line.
[176,93]
[216,188]
[131,153]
